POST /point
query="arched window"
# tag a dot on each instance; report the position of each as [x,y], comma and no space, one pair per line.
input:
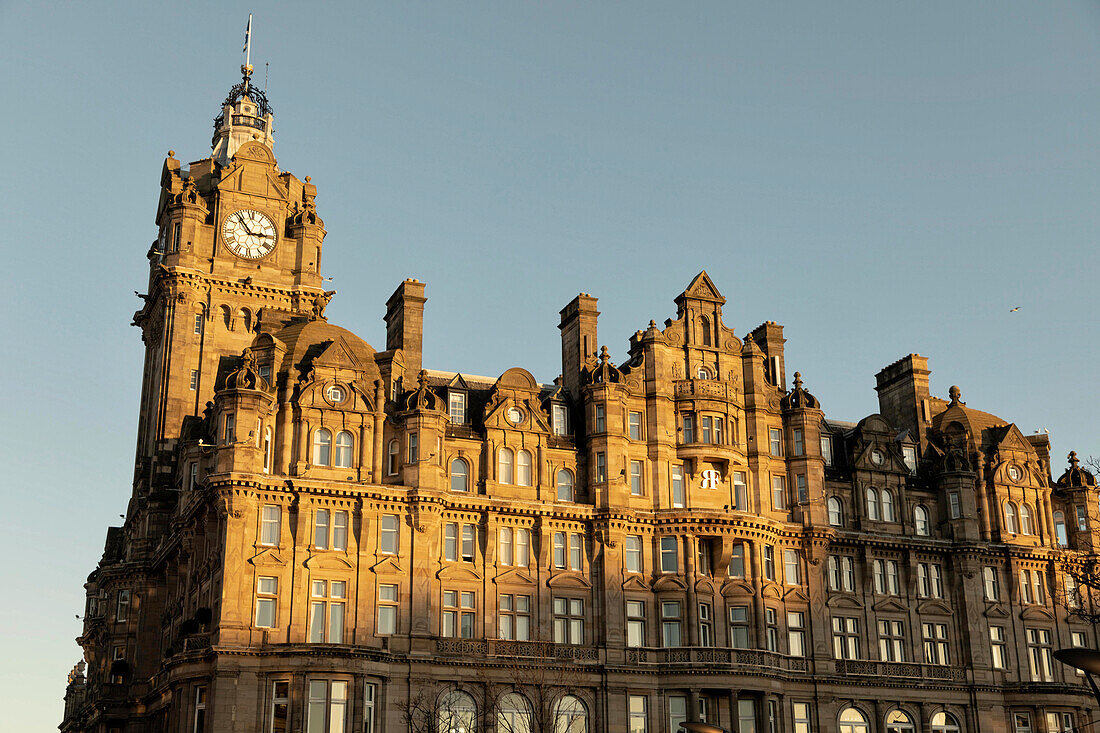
[899,722]
[460,475]
[268,449]
[457,713]
[702,373]
[872,503]
[1025,519]
[504,466]
[343,449]
[246,319]
[888,506]
[944,723]
[1060,529]
[391,458]
[836,512]
[570,716]
[227,317]
[523,468]
[853,721]
[1010,517]
[565,485]
[514,714]
[322,447]
[921,521]
[704,327]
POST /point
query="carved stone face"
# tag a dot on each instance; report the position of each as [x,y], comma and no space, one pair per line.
[249,234]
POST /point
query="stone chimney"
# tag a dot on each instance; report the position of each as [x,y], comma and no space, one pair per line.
[578,339]
[903,397]
[769,337]
[405,323]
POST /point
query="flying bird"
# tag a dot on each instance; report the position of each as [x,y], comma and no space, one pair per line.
[1014,309]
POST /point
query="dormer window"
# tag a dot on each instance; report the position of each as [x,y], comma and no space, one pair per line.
[909,455]
[456,407]
[559,419]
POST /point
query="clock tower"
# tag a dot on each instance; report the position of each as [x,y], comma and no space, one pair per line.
[239,249]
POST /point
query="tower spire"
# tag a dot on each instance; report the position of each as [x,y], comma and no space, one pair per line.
[245,115]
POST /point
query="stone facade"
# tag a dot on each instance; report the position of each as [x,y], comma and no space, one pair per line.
[325,537]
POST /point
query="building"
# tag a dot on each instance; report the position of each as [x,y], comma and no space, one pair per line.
[326,537]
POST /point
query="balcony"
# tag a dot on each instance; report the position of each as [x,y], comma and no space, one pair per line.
[735,660]
[515,649]
[707,389]
[900,670]
[249,121]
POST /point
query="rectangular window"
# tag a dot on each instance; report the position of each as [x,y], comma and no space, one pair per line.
[450,542]
[775,441]
[845,637]
[1069,586]
[669,559]
[414,447]
[635,623]
[992,585]
[559,550]
[515,617]
[456,407]
[176,237]
[576,552]
[200,706]
[198,323]
[800,713]
[370,699]
[704,430]
[601,419]
[677,487]
[746,715]
[909,455]
[387,538]
[739,627]
[779,493]
[704,564]
[1082,520]
[740,491]
[929,580]
[1060,723]
[1039,655]
[769,562]
[320,529]
[796,438]
[340,530]
[280,707]
[559,418]
[387,610]
[568,620]
[469,542]
[327,706]
[891,640]
[504,546]
[639,720]
[689,429]
[670,623]
[267,591]
[229,435]
[803,489]
[632,554]
[841,573]
[601,467]
[327,600]
[122,606]
[737,561]
[636,478]
[269,524]
[796,633]
[194,379]
[791,567]
[953,505]
[827,449]
[771,629]
[459,613]
[192,475]
[886,577]
[523,547]
[706,625]
[997,647]
[935,643]
[1078,639]
[635,425]
[1021,722]
[677,712]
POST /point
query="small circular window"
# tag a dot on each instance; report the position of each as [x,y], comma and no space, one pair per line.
[703,373]
[878,457]
[514,415]
[1014,473]
[336,393]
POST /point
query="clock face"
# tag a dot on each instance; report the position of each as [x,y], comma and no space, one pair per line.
[249,234]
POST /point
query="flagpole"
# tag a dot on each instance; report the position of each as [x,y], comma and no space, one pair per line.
[248,42]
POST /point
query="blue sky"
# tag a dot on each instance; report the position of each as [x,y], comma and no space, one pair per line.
[879,177]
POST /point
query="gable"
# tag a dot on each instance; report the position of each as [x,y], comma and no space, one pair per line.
[568,579]
[338,354]
[1013,439]
[890,605]
[1036,613]
[845,601]
[328,561]
[635,583]
[458,573]
[668,583]
[703,288]
[514,575]
[387,566]
[935,608]
[268,558]
[737,587]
